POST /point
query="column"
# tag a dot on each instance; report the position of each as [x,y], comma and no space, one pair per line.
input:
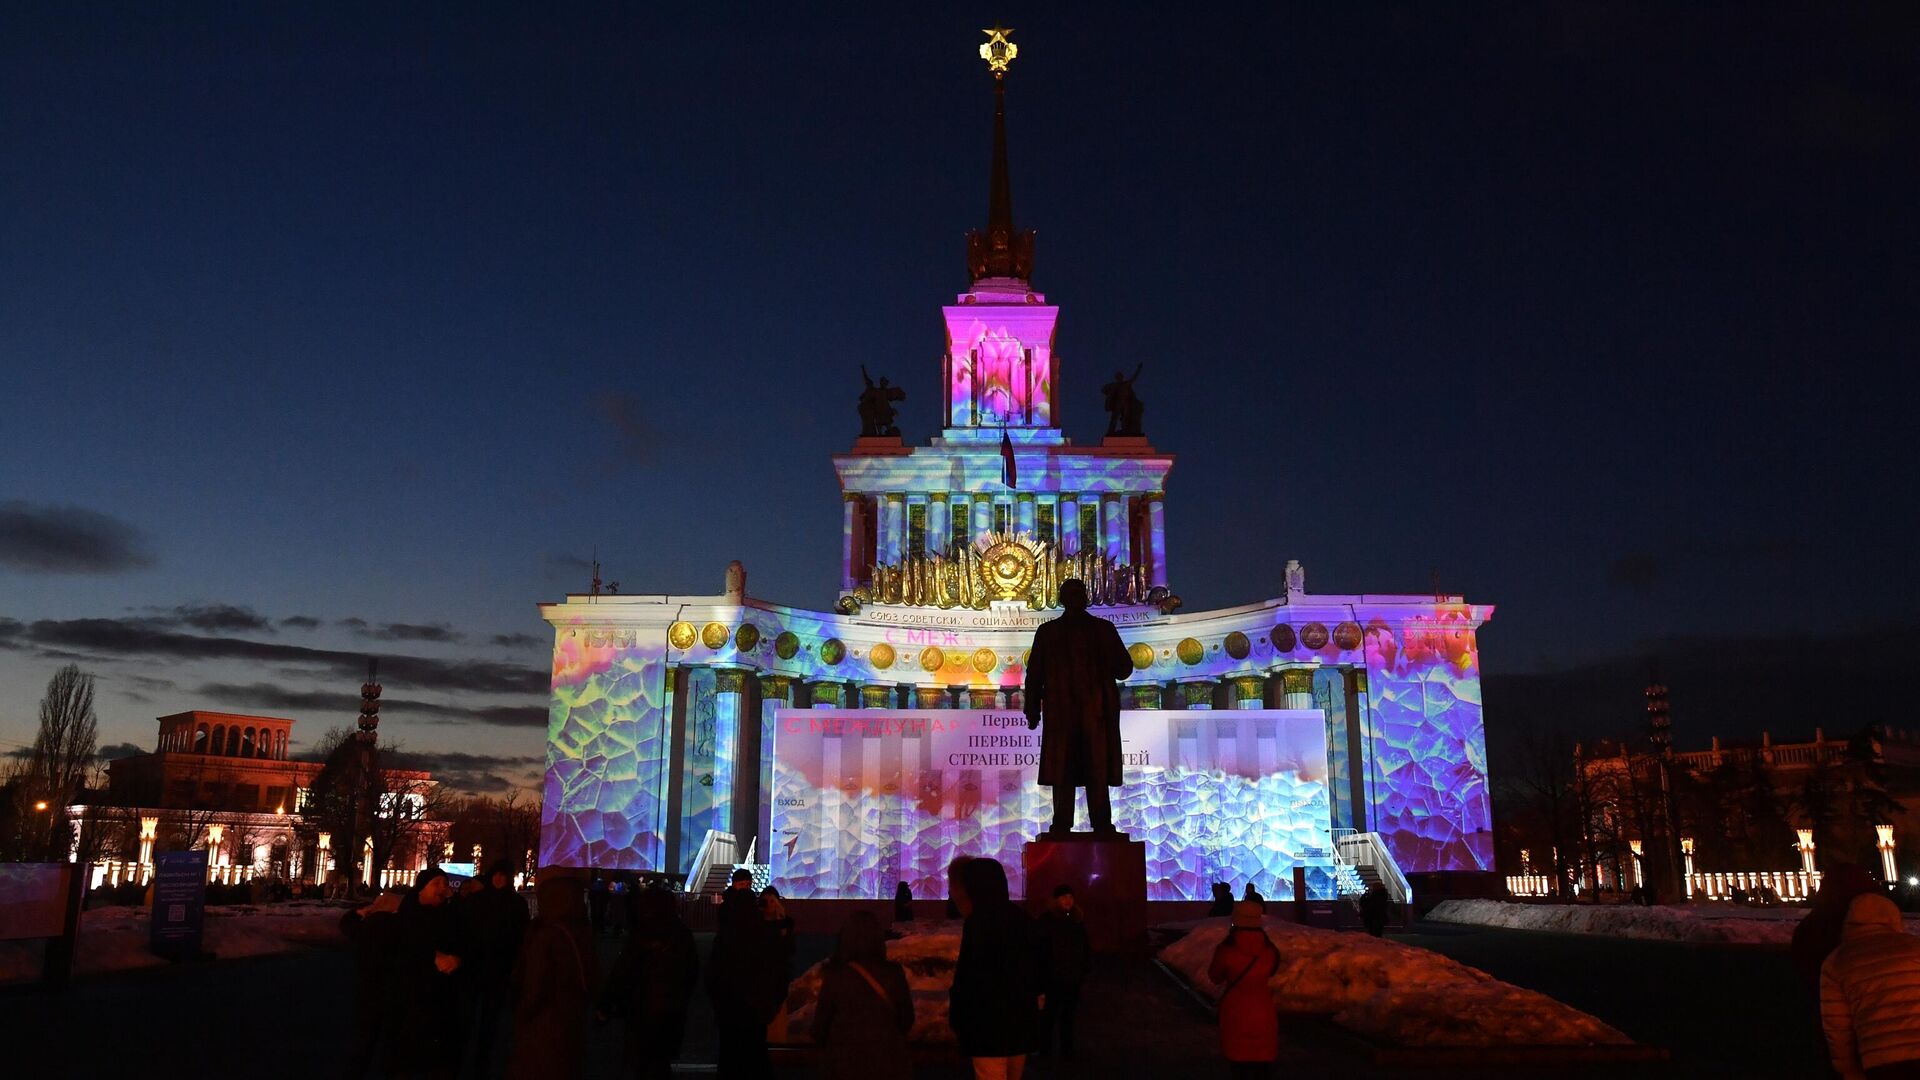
[1023,517]
[1247,691]
[1113,522]
[1157,538]
[729,708]
[895,519]
[982,516]
[1686,853]
[1140,695]
[876,696]
[1197,693]
[776,692]
[1805,847]
[1296,688]
[826,693]
[983,697]
[1068,516]
[148,827]
[931,697]
[852,530]
[1889,873]
[321,857]
[939,524]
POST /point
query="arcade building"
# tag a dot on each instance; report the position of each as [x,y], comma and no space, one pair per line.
[668,712]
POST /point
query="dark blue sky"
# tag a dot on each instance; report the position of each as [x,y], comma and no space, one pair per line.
[1607,315]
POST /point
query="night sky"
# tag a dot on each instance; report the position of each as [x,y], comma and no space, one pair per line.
[357,332]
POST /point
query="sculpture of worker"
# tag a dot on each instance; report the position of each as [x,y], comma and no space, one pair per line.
[1123,405]
[1072,685]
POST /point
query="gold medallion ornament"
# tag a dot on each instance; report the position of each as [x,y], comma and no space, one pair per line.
[680,635]
[787,645]
[1314,635]
[932,659]
[1009,564]
[984,660]
[1283,639]
[832,651]
[714,635]
[1190,651]
[747,638]
[1347,635]
[881,655]
[1238,646]
[1142,654]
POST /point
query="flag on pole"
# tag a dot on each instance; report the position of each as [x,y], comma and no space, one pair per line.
[1008,474]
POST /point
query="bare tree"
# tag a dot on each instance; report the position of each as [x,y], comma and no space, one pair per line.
[54,772]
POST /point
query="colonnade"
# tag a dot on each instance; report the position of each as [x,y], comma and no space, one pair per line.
[886,528]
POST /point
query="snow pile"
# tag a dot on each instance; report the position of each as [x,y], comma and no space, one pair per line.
[1709,923]
[115,938]
[1395,993]
[928,952]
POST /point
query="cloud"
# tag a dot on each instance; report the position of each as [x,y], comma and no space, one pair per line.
[109,638]
[220,618]
[301,622]
[116,751]
[346,703]
[1643,570]
[397,631]
[624,415]
[518,641]
[43,539]
[573,569]
[476,774]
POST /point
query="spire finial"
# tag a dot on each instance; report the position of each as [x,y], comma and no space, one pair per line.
[999,251]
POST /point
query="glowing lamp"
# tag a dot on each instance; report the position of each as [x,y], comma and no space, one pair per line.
[41,805]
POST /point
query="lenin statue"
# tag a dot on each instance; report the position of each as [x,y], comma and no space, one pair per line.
[1072,676]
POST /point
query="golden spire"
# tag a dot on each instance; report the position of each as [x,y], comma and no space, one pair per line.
[997,51]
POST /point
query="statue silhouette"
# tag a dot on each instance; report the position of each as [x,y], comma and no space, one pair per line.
[1123,405]
[876,406]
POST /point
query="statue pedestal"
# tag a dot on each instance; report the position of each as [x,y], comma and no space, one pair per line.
[1109,879]
[881,446]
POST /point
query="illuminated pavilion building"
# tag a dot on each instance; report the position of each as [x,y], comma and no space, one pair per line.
[663,708]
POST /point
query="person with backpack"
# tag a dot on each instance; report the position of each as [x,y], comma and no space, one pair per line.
[865,1008]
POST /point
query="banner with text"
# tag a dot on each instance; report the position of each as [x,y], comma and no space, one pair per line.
[866,798]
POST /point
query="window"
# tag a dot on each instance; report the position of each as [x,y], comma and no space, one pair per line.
[1043,522]
[962,526]
[916,528]
[1090,525]
[1002,517]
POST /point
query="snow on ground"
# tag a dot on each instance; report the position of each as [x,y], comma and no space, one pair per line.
[928,952]
[115,938]
[1394,993]
[1706,923]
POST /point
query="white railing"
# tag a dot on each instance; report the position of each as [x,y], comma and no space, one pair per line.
[1369,849]
[1529,885]
[716,849]
[1787,884]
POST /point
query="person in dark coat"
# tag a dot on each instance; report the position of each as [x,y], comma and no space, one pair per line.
[774,910]
[1067,957]
[902,903]
[994,1006]
[1242,966]
[1819,931]
[1375,907]
[1252,895]
[599,895]
[1072,685]
[421,1032]
[865,1009]
[553,984]
[652,985]
[746,984]
[1222,900]
[374,932]
[494,917]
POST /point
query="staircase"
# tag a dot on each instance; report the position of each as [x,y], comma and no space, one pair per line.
[1361,861]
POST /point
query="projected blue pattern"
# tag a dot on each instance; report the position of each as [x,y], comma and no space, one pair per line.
[1429,748]
[606,752]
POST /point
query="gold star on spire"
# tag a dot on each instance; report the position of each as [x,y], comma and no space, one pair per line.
[997,51]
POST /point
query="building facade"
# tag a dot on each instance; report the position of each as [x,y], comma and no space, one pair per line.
[224,782]
[662,719]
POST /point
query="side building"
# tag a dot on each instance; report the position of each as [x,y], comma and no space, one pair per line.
[224,782]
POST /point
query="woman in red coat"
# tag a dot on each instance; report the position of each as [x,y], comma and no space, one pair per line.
[1249,1023]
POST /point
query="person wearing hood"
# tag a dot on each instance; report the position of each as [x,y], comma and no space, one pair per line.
[1870,994]
[494,917]
[994,1006]
[652,985]
[1241,966]
[865,1009]
[553,983]
[1819,931]
[427,987]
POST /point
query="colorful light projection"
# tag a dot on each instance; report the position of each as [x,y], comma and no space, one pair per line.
[998,381]
[865,799]
[606,752]
[1427,767]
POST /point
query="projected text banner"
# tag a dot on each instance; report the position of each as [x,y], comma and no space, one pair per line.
[866,798]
